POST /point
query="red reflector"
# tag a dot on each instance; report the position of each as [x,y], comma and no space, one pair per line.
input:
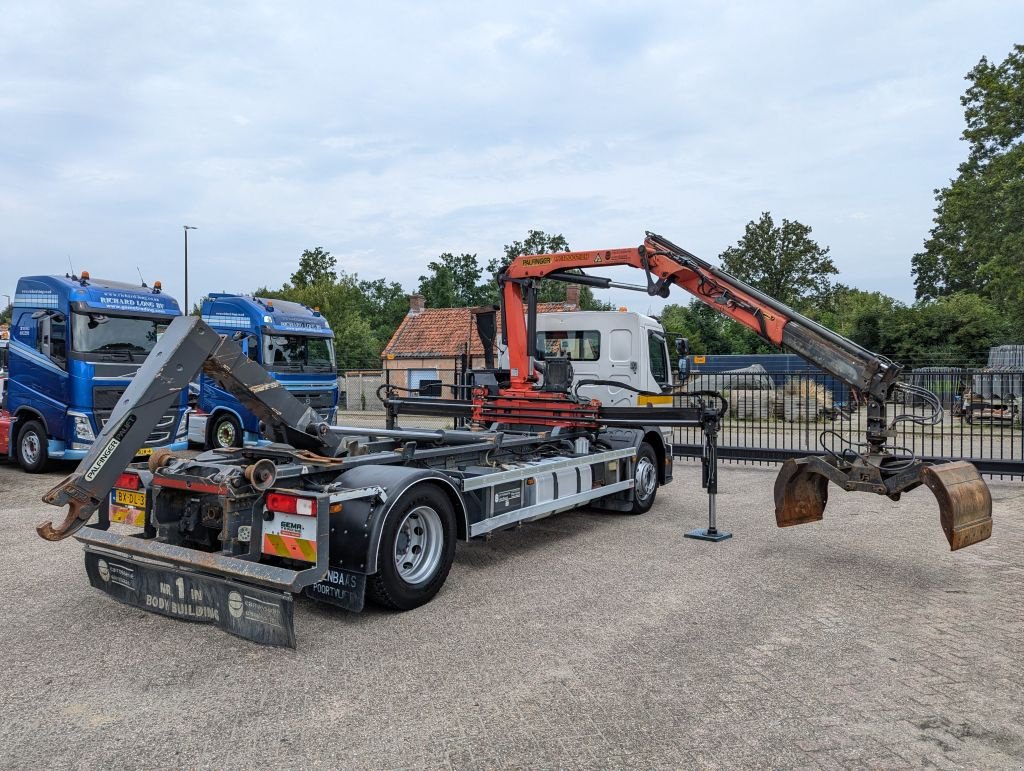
[128,481]
[291,504]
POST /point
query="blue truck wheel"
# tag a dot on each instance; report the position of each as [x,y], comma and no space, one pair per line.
[225,432]
[32,447]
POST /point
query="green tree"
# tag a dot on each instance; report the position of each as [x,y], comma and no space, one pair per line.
[861,316]
[709,332]
[977,241]
[384,304]
[316,266]
[5,316]
[782,261]
[453,282]
[955,330]
[344,302]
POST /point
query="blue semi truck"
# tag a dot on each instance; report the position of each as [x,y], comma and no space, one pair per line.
[293,342]
[75,345]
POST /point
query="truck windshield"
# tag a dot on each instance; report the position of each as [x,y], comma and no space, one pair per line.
[297,353]
[115,336]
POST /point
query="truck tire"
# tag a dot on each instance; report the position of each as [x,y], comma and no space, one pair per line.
[224,432]
[645,478]
[417,547]
[33,447]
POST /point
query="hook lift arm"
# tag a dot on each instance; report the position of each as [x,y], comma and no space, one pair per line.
[188,346]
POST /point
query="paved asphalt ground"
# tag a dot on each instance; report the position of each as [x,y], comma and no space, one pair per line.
[586,639]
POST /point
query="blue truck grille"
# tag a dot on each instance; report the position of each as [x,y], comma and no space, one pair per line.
[105,398]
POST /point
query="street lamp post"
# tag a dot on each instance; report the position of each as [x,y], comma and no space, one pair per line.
[188,308]
[8,304]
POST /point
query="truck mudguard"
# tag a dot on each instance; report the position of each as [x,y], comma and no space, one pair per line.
[360,555]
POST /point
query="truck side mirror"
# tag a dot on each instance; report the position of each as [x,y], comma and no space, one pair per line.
[682,347]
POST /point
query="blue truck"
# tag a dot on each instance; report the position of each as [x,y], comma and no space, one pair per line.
[293,342]
[75,345]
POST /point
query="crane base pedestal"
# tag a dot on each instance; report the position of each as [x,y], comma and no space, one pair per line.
[708,534]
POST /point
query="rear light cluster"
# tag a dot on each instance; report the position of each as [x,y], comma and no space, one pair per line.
[128,481]
[283,503]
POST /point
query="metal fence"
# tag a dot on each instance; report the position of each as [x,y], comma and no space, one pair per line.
[357,390]
[801,413]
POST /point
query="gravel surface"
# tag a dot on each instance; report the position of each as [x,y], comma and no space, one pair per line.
[586,639]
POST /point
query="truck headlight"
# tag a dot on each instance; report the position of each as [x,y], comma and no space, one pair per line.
[82,427]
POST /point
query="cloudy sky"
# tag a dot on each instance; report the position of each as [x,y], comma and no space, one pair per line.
[388,133]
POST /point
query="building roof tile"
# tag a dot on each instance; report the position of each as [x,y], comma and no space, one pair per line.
[436,333]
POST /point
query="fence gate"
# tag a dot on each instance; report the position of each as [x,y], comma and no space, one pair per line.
[774,418]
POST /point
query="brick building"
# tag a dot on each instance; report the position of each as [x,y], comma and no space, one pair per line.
[429,342]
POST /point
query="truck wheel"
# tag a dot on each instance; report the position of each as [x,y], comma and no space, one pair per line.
[645,479]
[225,432]
[33,447]
[416,550]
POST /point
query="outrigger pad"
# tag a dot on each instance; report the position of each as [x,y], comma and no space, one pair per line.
[800,494]
[965,503]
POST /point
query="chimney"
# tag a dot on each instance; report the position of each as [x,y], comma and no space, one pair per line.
[572,296]
[417,304]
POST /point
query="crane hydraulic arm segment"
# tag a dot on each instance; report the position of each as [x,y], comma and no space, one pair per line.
[801,489]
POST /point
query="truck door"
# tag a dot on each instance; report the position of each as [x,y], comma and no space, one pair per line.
[623,365]
[658,369]
[49,388]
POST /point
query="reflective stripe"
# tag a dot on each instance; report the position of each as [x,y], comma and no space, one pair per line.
[293,548]
[643,400]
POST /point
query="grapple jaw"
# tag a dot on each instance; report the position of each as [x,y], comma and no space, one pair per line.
[965,503]
[801,492]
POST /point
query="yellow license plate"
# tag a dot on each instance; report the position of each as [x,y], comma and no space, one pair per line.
[130,498]
[144,451]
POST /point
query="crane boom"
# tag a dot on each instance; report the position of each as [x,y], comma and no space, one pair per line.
[801,489]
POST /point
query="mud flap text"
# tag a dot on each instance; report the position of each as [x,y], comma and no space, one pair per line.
[259,615]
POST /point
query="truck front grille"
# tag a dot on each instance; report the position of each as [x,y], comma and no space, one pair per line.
[105,398]
[318,400]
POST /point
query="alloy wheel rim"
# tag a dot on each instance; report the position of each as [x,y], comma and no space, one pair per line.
[419,545]
[646,479]
[226,434]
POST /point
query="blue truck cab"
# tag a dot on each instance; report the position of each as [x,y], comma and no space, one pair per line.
[293,342]
[75,345]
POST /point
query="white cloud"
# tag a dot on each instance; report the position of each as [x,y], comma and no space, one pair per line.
[392,133]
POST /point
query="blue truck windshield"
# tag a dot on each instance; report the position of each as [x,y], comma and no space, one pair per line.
[122,336]
[297,353]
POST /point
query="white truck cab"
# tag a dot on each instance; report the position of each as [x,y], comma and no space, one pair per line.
[609,345]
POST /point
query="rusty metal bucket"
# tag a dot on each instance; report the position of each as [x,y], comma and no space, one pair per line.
[800,494]
[965,503]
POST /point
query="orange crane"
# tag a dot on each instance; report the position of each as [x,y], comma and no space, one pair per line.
[801,489]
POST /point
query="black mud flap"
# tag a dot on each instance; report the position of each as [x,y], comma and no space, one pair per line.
[341,588]
[260,615]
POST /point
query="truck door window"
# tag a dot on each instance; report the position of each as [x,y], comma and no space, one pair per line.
[659,358]
[578,345]
[52,339]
